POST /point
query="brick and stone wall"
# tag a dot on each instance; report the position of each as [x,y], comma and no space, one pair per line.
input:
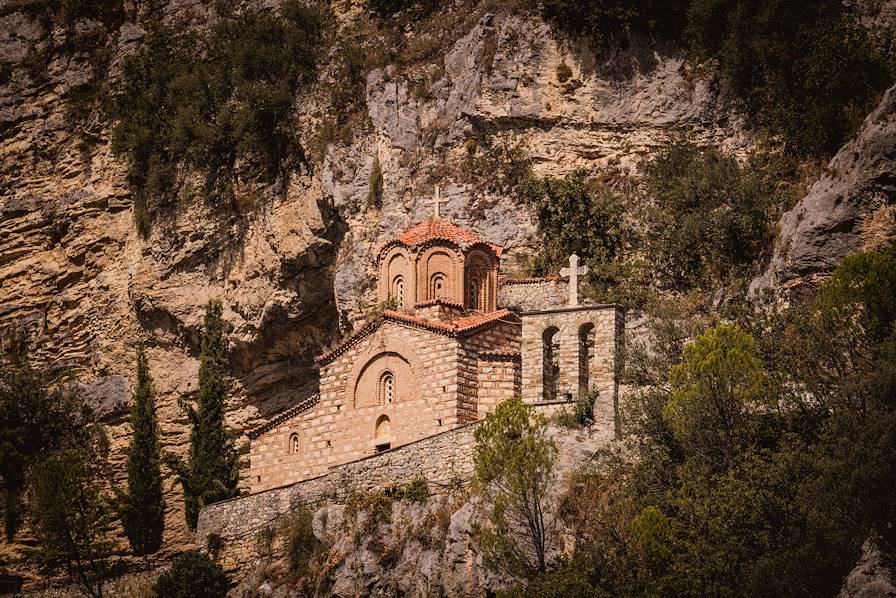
[436,388]
[597,368]
[442,459]
[533,293]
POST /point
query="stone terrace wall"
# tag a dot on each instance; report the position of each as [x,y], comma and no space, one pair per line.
[441,459]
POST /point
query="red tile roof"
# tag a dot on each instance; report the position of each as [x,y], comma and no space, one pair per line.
[459,325]
[450,328]
[436,229]
[300,407]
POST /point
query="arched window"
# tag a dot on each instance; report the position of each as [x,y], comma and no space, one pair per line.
[551,356]
[473,301]
[437,286]
[586,353]
[383,428]
[294,444]
[387,388]
[398,290]
[382,434]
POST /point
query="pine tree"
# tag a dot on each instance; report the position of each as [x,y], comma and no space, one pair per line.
[212,473]
[143,508]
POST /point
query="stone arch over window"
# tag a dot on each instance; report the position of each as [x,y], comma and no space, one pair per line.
[294,444]
[393,264]
[438,286]
[586,356]
[383,429]
[479,284]
[386,388]
[397,290]
[437,271]
[551,363]
[383,353]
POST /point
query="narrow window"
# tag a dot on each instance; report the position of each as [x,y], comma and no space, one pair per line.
[586,353]
[382,434]
[474,295]
[294,444]
[387,388]
[437,286]
[398,290]
[551,363]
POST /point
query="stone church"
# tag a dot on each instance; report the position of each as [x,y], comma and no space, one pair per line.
[456,340]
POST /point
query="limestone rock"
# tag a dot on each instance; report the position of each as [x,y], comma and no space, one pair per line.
[851,208]
[870,578]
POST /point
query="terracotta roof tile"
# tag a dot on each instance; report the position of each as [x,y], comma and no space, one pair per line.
[450,328]
[438,229]
[300,407]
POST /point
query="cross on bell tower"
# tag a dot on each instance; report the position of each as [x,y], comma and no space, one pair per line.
[574,271]
[436,202]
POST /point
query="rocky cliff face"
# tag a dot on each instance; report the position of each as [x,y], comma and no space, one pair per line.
[295,259]
[851,208]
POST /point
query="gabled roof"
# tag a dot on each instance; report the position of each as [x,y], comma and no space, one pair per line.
[300,407]
[436,229]
[453,328]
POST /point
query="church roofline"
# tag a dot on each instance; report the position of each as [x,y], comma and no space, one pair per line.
[434,231]
[300,407]
[453,328]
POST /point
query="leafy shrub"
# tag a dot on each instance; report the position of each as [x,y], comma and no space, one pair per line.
[192,575]
[804,70]
[375,185]
[301,545]
[615,20]
[581,216]
[584,408]
[417,490]
[208,101]
[711,217]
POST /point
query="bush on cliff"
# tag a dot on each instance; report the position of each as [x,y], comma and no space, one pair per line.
[192,575]
[212,101]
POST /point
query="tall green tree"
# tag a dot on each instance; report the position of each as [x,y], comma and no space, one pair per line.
[514,460]
[212,472]
[37,414]
[143,507]
[72,518]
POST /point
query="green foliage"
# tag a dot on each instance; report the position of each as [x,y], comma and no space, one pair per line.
[805,71]
[614,21]
[375,185]
[755,466]
[514,461]
[72,519]
[143,507]
[711,217]
[497,166]
[581,216]
[192,575]
[209,102]
[385,9]
[37,415]
[716,389]
[416,491]
[212,472]
[302,546]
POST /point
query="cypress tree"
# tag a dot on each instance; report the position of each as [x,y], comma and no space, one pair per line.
[143,508]
[212,473]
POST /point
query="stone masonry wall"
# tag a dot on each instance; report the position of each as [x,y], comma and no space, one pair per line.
[532,294]
[607,322]
[442,459]
[437,382]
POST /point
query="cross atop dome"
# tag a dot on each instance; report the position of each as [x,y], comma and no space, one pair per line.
[436,202]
